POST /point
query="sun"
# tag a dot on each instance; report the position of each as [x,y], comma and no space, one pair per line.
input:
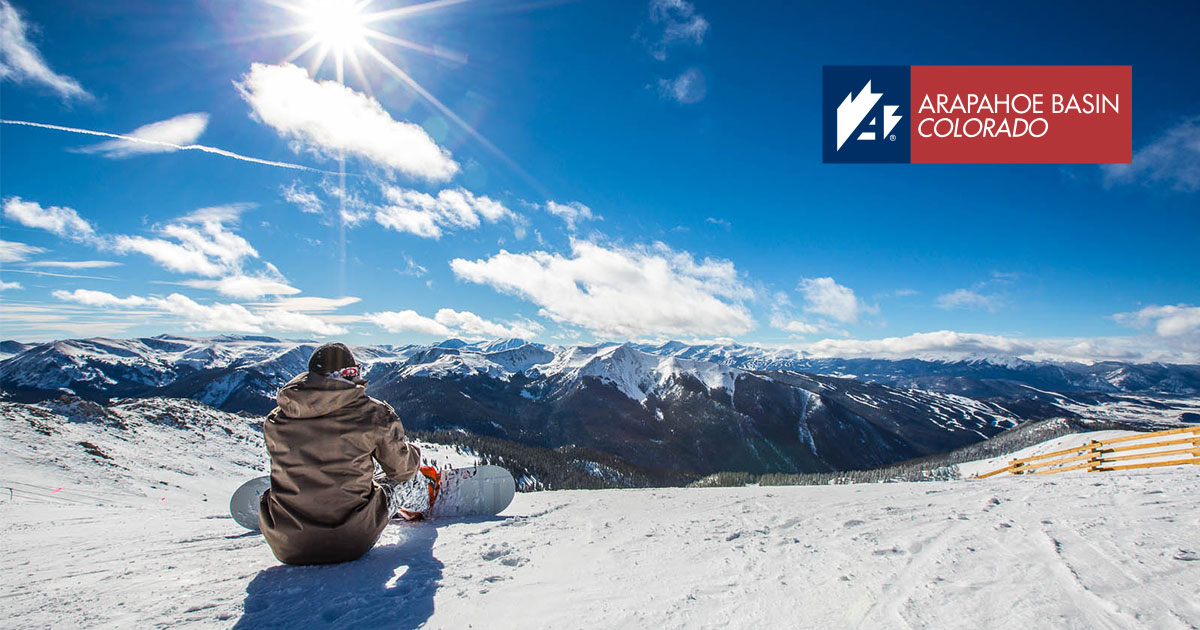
[337,25]
[342,31]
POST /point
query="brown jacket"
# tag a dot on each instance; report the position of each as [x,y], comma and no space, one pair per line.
[323,506]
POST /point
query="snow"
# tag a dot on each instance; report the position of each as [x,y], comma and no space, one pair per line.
[633,372]
[161,360]
[1116,552]
[95,542]
[1137,408]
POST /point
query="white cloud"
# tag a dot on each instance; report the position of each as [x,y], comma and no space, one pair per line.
[427,216]
[157,137]
[824,296]
[967,299]
[408,321]
[21,62]
[303,198]
[1168,321]
[217,316]
[199,243]
[449,322]
[242,286]
[951,345]
[12,251]
[88,297]
[797,326]
[571,212]
[291,321]
[60,221]
[782,320]
[622,292]
[411,268]
[721,223]
[10,286]
[405,219]
[352,208]
[689,87]
[675,22]
[332,119]
[1173,160]
[172,256]
[74,264]
[471,325]
[311,304]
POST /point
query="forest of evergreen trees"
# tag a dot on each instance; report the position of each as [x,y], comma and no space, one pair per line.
[579,468]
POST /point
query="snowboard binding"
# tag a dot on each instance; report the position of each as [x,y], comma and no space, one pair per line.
[432,484]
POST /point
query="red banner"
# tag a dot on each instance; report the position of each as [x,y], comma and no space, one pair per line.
[1022,114]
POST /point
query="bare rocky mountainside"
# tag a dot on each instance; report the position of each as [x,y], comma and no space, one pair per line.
[634,414]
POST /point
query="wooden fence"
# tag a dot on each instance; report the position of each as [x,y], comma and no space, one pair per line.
[1103,456]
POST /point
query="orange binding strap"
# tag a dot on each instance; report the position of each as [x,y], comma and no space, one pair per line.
[435,480]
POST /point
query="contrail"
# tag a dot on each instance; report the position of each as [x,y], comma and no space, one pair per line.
[179,147]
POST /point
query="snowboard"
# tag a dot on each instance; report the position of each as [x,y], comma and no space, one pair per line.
[462,492]
[243,506]
[474,491]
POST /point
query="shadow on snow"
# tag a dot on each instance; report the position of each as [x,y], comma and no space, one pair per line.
[392,586]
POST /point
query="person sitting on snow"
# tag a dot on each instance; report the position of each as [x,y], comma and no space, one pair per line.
[324,505]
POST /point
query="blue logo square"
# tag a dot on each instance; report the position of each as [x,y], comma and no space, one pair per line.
[865,114]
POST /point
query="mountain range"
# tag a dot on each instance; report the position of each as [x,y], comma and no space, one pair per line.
[665,409]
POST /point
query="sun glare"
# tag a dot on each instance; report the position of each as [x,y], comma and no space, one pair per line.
[338,25]
[346,33]
[339,30]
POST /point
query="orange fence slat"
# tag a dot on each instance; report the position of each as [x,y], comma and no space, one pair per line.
[1178,462]
[994,472]
[1051,471]
[1143,436]
[1142,447]
[1182,451]
[1065,451]
[1059,462]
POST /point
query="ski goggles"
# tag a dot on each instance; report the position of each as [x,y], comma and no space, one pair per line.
[351,373]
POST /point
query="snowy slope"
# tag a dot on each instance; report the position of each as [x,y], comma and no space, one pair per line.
[1079,552]
[157,449]
[98,542]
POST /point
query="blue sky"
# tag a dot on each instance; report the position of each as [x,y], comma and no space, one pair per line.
[642,169]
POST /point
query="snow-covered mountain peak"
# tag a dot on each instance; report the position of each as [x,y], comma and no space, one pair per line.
[635,373]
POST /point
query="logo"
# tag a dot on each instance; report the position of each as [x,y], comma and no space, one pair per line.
[977,114]
[854,110]
[863,109]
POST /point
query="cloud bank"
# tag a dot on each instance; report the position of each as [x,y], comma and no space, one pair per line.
[215,317]
[617,292]
[449,322]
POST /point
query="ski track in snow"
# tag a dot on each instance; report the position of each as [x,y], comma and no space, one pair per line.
[1073,551]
